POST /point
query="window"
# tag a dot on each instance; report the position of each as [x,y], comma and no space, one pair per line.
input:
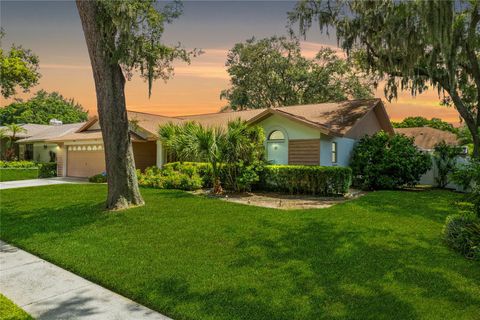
[276,135]
[334,152]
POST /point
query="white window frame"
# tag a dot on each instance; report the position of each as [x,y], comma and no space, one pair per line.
[334,150]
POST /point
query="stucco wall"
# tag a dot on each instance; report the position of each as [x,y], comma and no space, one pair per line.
[42,154]
[368,125]
[344,150]
[277,151]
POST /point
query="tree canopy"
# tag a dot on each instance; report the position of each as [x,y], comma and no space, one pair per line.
[18,68]
[124,37]
[41,108]
[272,72]
[412,44]
[413,122]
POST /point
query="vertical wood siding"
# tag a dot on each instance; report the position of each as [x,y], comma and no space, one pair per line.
[304,152]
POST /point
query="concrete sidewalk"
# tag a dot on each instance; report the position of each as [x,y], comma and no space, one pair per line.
[46,291]
[39,182]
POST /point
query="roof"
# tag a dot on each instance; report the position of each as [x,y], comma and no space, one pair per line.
[330,118]
[426,137]
[52,131]
[32,129]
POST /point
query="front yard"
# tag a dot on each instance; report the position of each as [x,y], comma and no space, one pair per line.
[380,256]
[13,174]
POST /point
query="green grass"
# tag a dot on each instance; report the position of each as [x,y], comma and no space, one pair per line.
[378,257]
[10,311]
[11,174]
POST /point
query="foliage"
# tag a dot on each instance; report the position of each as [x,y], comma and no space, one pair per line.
[167,178]
[98,178]
[47,170]
[468,177]
[415,122]
[137,27]
[191,257]
[203,169]
[10,311]
[412,44]
[18,164]
[11,131]
[384,161]
[445,157]
[314,180]
[41,108]
[237,151]
[272,72]
[18,67]
[13,174]
[462,234]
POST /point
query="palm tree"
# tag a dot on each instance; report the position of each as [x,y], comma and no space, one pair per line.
[228,150]
[13,129]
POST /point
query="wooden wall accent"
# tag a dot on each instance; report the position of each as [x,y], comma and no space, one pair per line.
[304,151]
[145,154]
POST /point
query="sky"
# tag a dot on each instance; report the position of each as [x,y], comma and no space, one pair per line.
[52,30]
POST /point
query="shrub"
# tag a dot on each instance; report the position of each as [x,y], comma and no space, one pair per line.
[47,170]
[315,180]
[468,177]
[462,234]
[168,178]
[203,169]
[98,178]
[17,164]
[383,161]
[445,158]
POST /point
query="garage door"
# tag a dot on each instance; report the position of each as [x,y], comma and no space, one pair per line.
[85,161]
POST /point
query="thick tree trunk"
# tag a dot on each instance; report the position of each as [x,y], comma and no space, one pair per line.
[109,84]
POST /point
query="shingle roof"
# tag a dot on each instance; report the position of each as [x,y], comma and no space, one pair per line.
[32,129]
[51,132]
[331,118]
[426,137]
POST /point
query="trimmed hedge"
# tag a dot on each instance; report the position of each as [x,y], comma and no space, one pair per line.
[168,178]
[47,170]
[17,164]
[13,174]
[314,180]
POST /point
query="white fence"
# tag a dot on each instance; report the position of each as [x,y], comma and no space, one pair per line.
[429,177]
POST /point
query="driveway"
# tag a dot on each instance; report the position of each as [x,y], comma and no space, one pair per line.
[40,182]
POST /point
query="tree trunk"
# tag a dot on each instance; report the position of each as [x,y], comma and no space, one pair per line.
[112,112]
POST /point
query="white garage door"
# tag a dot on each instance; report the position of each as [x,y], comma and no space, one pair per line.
[85,161]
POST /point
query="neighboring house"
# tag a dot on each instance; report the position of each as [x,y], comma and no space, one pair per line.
[30,130]
[38,147]
[317,134]
[426,138]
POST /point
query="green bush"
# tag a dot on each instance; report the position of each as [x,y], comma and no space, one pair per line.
[98,178]
[468,177]
[462,234]
[12,174]
[315,180]
[17,164]
[168,178]
[203,169]
[47,170]
[383,161]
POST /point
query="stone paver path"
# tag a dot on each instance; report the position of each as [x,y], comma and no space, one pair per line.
[47,292]
[39,182]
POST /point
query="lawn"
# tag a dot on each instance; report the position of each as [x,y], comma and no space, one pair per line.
[378,257]
[11,174]
[10,311]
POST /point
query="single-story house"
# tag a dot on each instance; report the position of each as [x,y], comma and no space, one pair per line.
[426,138]
[317,134]
[33,144]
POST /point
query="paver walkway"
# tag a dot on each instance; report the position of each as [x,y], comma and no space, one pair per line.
[47,292]
[39,182]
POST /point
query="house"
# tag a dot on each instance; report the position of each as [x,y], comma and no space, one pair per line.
[425,139]
[33,144]
[317,134]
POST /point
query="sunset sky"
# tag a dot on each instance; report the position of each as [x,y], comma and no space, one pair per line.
[53,31]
